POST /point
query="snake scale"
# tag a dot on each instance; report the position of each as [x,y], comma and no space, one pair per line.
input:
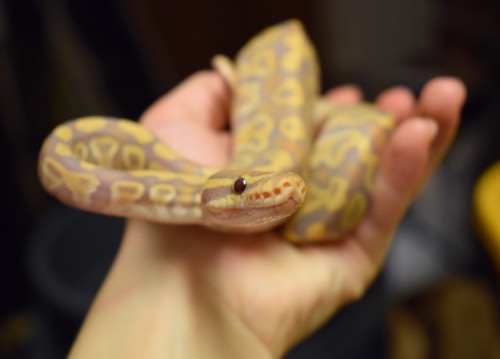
[285,139]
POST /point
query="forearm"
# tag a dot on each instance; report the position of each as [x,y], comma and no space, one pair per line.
[155,309]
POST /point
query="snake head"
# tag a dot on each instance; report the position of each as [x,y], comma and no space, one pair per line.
[251,200]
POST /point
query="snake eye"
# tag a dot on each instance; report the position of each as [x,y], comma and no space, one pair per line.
[240,185]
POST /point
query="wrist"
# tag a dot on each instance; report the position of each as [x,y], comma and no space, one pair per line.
[153,305]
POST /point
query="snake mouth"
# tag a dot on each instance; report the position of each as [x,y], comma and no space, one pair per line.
[259,200]
[254,218]
[285,208]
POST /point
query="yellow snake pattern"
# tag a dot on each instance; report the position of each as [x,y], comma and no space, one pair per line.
[117,167]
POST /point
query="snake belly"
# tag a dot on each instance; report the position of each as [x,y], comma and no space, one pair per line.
[117,167]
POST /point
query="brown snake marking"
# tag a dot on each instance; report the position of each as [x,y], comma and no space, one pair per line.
[119,168]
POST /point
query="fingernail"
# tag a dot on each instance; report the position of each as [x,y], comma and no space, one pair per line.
[432,126]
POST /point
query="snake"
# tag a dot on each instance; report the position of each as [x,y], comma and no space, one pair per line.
[299,165]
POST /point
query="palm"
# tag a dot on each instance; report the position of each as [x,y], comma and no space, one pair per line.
[296,288]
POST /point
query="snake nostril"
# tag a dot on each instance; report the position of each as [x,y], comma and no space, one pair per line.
[240,185]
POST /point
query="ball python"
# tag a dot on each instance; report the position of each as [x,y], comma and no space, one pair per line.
[285,139]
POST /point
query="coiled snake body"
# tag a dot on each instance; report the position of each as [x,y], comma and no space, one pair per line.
[284,137]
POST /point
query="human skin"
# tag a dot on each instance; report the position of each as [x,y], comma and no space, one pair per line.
[188,292]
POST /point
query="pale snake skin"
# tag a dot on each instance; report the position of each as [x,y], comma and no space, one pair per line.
[283,139]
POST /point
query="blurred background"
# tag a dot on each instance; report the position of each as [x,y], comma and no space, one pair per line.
[60,59]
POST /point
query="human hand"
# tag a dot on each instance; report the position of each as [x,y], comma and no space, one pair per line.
[226,292]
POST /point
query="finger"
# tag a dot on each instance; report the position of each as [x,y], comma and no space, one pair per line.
[399,101]
[191,119]
[442,99]
[203,98]
[415,147]
[346,94]
[400,173]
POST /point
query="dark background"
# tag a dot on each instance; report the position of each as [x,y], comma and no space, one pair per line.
[61,59]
